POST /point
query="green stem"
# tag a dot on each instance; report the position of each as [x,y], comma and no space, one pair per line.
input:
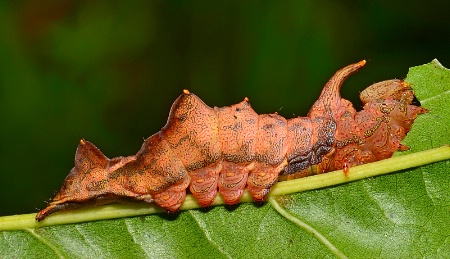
[111,211]
[363,171]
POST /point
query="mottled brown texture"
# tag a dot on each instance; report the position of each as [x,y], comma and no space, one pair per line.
[230,148]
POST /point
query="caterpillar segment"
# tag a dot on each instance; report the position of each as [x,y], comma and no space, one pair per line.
[206,150]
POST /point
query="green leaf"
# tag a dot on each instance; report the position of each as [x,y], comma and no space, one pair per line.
[400,215]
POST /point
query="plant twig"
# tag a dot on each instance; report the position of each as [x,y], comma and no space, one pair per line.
[26,221]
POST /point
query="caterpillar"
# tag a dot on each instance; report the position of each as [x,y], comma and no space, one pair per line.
[230,148]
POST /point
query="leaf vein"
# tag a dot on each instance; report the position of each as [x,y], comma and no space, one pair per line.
[321,238]
[437,96]
[87,240]
[46,242]
[128,227]
[207,235]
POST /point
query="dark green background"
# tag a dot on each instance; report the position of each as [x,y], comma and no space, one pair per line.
[108,71]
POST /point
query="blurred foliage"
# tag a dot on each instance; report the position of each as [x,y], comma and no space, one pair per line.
[108,71]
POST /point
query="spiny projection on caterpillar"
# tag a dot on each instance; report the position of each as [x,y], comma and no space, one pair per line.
[230,148]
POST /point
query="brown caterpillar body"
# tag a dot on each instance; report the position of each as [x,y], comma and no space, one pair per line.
[230,148]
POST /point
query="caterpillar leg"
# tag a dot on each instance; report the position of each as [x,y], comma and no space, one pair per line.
[262,178]
[172,197]
[204,184]
[232,181]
